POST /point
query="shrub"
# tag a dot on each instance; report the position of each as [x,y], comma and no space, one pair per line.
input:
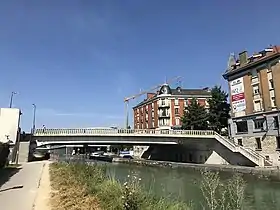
[81,186]
[219,195]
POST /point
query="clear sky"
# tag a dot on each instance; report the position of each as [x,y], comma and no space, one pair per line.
[77,60]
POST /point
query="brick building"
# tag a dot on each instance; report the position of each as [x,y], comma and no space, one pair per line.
[254,84]
[165,108]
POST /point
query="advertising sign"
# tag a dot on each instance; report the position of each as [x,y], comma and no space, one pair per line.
[237,95]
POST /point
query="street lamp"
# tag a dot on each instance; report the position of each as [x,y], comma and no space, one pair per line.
[11,99]
[34,118]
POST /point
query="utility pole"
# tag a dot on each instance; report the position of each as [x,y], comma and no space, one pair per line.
[11,99]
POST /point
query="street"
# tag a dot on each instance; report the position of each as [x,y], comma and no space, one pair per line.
[29,176]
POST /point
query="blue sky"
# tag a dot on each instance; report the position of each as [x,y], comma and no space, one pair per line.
[77,60]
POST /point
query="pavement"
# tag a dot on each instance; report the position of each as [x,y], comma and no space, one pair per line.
[29,176]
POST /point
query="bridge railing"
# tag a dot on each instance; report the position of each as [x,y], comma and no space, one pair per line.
[88,132]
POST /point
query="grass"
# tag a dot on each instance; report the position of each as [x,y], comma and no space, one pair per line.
[87,187]
[84,187]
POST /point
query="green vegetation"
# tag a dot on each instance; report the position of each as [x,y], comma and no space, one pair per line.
[80,186]
[86,187]
[219,109]
[220,195]
[196,117]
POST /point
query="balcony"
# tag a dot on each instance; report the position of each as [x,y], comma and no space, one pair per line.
[162,104]
[164,115]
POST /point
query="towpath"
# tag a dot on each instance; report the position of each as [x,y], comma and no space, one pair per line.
[35,191]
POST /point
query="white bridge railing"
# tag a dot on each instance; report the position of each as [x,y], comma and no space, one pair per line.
[252,155]
[104,132]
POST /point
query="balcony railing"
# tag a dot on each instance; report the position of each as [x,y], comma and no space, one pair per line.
[163,104]
[164,114]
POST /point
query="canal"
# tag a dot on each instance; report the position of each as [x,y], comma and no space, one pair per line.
[184,184]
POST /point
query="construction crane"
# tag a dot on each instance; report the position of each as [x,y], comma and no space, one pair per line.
[127,99]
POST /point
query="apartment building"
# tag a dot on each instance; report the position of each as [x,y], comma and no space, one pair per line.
[165,108]
[254,84]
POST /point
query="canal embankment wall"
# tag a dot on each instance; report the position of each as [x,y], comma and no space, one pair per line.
[272,173]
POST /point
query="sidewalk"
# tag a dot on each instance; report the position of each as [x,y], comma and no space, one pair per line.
[32,178]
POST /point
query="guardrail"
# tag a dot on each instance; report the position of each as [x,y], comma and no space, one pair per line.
[88,132]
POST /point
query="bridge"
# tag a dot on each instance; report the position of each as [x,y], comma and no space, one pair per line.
[209,140]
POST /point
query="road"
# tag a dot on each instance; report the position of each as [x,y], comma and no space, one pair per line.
[23,198]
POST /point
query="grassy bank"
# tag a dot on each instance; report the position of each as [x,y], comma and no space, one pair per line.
[79,186]
[85,187]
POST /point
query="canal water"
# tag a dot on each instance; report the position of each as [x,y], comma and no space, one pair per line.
[184,184]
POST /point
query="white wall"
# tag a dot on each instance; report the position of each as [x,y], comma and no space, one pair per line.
[9,123]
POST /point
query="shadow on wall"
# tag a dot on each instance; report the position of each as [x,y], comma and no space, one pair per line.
[212,152]
[6,174]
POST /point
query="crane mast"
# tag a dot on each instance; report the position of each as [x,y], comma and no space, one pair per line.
[127,99]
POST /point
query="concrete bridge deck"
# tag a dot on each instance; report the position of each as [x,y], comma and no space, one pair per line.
[140,137]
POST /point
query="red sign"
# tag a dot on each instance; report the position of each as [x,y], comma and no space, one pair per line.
[238,97]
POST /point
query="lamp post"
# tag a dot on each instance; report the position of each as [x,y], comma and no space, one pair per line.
[11,99]
[34,118]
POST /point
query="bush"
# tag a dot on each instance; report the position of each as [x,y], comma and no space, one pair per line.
[81,186]
[224,196]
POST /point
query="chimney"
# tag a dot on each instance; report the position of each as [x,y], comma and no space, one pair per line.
[243,57]
[150,95]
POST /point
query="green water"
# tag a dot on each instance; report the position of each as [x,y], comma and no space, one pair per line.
[184,184]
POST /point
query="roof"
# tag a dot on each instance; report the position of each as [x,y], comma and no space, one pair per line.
[259,61]
[180,92]
[190,92]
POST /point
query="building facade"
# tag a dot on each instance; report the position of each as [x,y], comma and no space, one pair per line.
[165,108]
[254,84]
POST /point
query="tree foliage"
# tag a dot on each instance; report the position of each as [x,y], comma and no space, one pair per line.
[195,116]
[219,109]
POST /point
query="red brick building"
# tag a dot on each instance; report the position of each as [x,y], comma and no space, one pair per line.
[165,108]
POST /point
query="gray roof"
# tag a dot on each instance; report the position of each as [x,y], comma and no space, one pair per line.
[181,92]
[190,92]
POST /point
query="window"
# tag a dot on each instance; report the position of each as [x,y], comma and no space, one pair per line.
[259,143]
[278,142]
[177,121]
[276,122]
[273,103]
[164,122]
[270,84]
[242,127]
[176,102]
[254,73]
[257,106]
[258,124]
[239,141]
[256,90]
[176,110]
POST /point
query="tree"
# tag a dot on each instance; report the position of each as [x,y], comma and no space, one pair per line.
[195,117]
[219,109]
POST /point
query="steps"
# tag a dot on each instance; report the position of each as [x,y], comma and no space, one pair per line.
[252,155]
[23,152]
